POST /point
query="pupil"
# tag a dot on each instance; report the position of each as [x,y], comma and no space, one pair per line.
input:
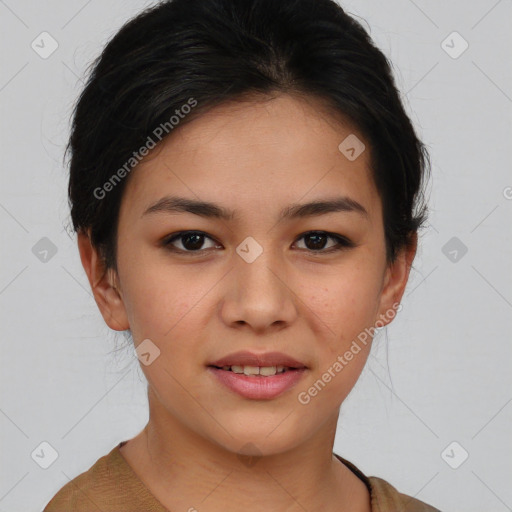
[317,244]
[192,236]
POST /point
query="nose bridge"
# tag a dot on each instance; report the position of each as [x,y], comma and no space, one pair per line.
[259,295]
[257,267]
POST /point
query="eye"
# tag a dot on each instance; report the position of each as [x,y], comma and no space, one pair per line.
[316,240]
[192,242]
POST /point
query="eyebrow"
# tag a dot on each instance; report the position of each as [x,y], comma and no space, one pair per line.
[174,204]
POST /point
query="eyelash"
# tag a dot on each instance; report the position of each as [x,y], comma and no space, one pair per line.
[343,242]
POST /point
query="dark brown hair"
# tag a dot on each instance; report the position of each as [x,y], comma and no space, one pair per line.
[213,51]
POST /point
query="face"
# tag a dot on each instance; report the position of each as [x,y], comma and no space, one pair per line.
[268,277]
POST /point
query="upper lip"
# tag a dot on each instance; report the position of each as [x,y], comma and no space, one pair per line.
[246,358]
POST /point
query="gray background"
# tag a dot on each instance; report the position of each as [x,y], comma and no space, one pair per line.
[448,351]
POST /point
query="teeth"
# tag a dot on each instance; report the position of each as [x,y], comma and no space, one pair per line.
[251,370]
[265,371]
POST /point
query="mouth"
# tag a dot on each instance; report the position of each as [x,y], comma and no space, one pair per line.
[258,364]
[257,376]
[256,371]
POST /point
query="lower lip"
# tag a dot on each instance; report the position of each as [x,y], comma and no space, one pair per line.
[256,387]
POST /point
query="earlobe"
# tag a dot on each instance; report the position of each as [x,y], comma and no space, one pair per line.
[103,286]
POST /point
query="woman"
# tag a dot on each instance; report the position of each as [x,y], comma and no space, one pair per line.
[247,191]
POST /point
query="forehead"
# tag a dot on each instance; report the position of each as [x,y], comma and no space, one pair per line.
[261,154]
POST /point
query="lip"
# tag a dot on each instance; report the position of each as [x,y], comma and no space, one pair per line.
[247,358]
[256,387]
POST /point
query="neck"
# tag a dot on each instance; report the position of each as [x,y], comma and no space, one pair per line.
[187,471]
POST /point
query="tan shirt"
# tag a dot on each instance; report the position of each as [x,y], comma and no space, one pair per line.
[111,485]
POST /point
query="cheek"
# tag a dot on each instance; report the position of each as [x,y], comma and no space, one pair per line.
[346,304]
[159,304]
[347,307]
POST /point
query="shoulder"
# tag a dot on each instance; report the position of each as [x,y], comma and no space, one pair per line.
[108,485]
[385,498]
[86,491]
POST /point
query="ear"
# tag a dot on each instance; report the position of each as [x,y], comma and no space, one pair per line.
[103,285]
[395,281]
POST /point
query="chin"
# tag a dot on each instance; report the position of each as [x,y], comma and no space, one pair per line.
[252,440]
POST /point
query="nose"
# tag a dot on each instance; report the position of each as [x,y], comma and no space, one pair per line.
[257,295]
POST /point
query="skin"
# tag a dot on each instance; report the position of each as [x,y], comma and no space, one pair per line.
[255,157]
